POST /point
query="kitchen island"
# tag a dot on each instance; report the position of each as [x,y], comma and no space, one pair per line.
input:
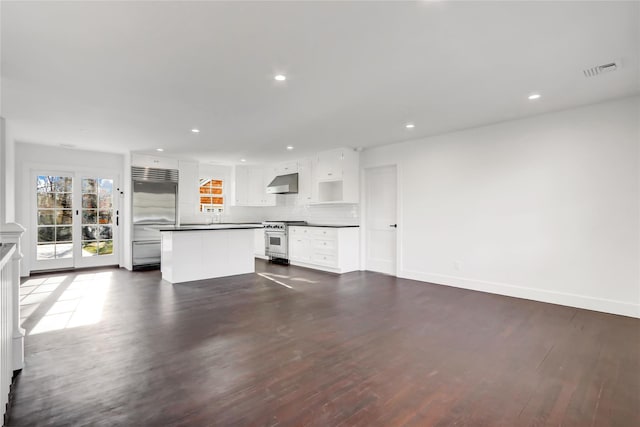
[198,252]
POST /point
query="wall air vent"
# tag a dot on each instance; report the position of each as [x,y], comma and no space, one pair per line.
[600,69]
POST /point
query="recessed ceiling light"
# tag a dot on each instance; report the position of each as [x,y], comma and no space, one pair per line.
[409,125]
[243,160]
[194,130]
[280,77]
[289,147]
[159,149]
[534,96]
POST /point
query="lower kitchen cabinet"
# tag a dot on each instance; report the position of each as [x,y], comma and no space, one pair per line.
[325,248]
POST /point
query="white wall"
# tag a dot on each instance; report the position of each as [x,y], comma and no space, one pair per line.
[3,172]
[545,208]
[7,173]
[30,157]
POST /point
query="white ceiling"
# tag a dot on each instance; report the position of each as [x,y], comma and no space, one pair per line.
[133,76]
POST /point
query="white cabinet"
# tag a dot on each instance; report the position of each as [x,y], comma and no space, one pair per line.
[299,244]
[257,189]
[306,182]
[259,178]
[188,192]
[158,162]
[250,186]
[285,168]
[329,165]
[337,176]
[241,186]
[325,248]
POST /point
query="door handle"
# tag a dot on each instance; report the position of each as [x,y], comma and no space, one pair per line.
[394,225]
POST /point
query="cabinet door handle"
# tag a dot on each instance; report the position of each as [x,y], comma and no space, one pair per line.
[394,226]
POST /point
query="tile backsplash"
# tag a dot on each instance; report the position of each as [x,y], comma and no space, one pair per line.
[286,209]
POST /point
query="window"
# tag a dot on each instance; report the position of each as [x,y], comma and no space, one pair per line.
[55,217]
[211,195]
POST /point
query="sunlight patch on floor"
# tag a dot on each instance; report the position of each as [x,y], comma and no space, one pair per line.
[271,276]
[35,291]
[274,280]
[79,305]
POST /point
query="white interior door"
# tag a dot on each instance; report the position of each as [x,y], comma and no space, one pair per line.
[381,221]
[75,220]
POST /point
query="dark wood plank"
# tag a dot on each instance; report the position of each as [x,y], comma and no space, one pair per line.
[361,349]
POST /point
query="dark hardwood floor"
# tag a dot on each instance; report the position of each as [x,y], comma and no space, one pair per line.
[110,347]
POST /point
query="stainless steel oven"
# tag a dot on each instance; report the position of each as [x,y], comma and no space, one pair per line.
[276,244]
[276,239]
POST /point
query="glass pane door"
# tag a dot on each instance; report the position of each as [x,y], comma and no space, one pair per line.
[97,217]
[54,220]
[97,228]
[75,221]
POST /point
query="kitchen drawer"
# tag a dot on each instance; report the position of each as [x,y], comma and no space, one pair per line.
[324,233]
[324,259]
[325,244]
[299,231]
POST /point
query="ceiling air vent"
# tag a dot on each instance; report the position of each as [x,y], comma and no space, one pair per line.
[600,69]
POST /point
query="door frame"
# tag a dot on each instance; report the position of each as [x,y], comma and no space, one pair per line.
[363,216]
[29,207]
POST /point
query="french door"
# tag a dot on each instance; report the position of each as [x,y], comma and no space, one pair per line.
[75,220]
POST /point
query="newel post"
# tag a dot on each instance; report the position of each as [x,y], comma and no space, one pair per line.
[11,233]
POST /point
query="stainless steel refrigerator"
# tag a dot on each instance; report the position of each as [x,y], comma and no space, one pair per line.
[154,202]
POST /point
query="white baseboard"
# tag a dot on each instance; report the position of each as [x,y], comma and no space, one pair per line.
[561,298]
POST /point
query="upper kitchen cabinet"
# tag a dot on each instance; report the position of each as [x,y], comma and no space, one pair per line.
[241,186]
[259,178]
[329,165]
[306,181]
[250,186]
[337,176]
[285,168]
[158,162]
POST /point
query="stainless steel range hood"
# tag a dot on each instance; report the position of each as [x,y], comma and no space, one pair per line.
[284,184]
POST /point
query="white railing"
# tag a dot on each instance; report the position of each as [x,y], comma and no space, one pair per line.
[11,334]
[6,323]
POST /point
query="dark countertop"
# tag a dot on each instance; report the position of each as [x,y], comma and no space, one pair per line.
[187,224]
[209,227]
[329,225]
